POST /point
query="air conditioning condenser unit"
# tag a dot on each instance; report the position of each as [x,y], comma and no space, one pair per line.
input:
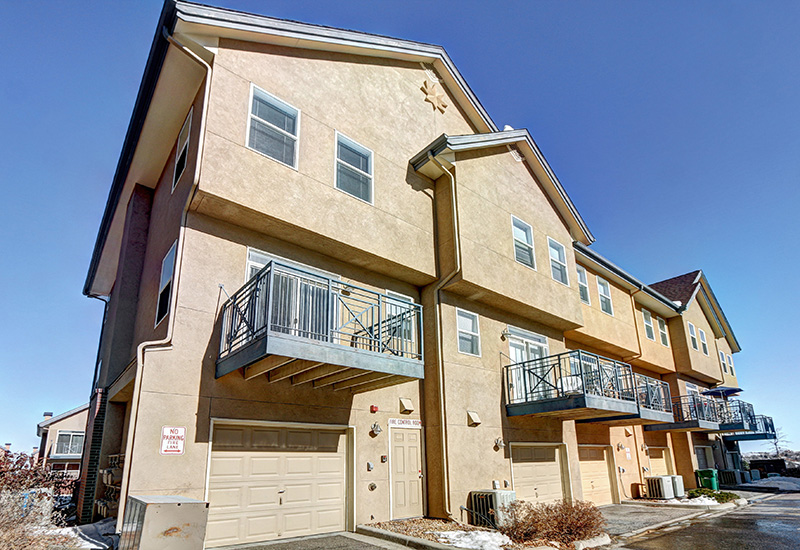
[488,505]
[660,487]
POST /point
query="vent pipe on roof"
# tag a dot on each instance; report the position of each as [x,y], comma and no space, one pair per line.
[8,446]
[507,128]
[48,415]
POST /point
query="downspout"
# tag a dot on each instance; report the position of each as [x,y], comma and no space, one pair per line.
[440,333]
[165,342]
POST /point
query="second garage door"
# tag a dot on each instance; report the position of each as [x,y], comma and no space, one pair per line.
[269,482]
[595,478]
[537,473]
[659,461]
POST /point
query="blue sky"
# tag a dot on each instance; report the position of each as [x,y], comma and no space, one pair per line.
[674,126]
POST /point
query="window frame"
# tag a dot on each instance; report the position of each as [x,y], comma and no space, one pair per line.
[473,334]
[693,337]
[730,365]
[280,102]
[663,331]
[531,245]
[722,360]
[703,341]
[581,284]
[692,389]
[652,332]
[607,297]
[550,242]
[336,160]
[173,250]
[71,433]
[176,177]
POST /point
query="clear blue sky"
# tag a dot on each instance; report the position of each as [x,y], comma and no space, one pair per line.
[674,126]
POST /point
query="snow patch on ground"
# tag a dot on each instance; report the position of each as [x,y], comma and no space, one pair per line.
[701,500]
[475,540]
[782,483]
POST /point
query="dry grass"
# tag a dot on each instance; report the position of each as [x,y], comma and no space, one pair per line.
[561,522]
[423,528]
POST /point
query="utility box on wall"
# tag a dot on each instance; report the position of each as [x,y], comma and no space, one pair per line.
[163,523]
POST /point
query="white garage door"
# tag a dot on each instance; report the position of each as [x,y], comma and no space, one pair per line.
[537,473]
[270,482]
[595,478]
[659,461]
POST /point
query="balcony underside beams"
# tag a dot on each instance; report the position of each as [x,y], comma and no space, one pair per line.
[643,417]
[752,436]
[687,426]
[735,427]
[575,407]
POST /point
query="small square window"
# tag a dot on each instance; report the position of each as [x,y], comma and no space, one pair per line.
[583,285]
[469,338]
[353,168]
[182,150]
[662,331]
[649,328]
[693,337]
[558,261]
[604,289]
[273,128]
[165,284]
[703,341]
[523,242]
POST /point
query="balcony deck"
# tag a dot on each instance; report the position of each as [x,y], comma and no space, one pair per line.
[289,323]
[763,428]
[736,416]
[692,413]
[585,387]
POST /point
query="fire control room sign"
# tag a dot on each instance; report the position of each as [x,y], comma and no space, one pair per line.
[173,439]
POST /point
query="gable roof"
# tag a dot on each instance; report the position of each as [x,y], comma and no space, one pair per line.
[45,424]
[444,146]
[197,20]
[680,289]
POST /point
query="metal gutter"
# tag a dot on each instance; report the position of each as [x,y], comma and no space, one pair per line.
[152,70]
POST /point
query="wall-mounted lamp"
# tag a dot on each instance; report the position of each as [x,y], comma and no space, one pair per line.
[376,429]
[505,334]
[644,447]
[499,444]
[620,447]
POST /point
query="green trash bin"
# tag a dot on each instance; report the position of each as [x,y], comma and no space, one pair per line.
[709,479]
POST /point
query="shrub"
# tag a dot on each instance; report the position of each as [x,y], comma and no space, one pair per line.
[720,496]
[563,521]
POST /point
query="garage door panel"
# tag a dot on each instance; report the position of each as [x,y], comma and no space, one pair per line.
[227,466]
[300,439]
[330,492]
[263,496]
[595,476]
[229,437]
[330,520]
[262,527]
[299,465]
[265,439]
[537,473]
[330,464]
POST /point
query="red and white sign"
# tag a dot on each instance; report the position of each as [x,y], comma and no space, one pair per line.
[173,439]
[405,423]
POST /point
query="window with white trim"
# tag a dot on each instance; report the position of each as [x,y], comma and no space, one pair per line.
[182,150]
[730,365]
[649,328]
[523,242]
[558,261]
[69,443]
[353,168]
[604,289]
[693,337]
[692,389]
[165,283]
[662,331]
[273,127]
[469,337]
[583,285]
[703,341]
[722,362]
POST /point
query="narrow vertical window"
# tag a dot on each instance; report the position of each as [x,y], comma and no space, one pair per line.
[662,331]
[523,242]
[703,341]
[693,336]
[469,338]
[273,128]
[722,362]
[692,389]
[649,328]
[353,168]
[730,365]
[558,261]
[182,150]
[604,289]
[165,284]
[583,285]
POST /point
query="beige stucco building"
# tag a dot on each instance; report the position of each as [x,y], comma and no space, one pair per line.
[326,304]
[61,440]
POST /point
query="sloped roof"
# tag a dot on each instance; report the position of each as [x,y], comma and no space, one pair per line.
[680,289]
[41,426]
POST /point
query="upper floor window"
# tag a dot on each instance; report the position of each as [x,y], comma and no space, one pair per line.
[182,150]
[722,362]
[730,365]
[353,168]
[273,127]
[703,341]
[69,443]
[604,289]
[692,389]
[558,261]
[469,337]
[523,242]
[649,328]
[165,284]
[583,285]
[662,331]
[693,336]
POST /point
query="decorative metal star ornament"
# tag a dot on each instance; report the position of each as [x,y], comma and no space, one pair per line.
[434,95]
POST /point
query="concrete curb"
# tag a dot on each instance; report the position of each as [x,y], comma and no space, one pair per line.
[704,507]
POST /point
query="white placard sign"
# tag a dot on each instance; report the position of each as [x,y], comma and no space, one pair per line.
[173,439]
[405,423]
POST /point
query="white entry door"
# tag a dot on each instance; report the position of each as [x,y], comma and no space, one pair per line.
[406,464]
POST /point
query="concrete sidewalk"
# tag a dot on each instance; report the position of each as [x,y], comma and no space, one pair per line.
[629,519]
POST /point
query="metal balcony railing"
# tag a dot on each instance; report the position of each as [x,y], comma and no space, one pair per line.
[568,374]
[289,301]
[736,412]
[653,394]
[764,425]
[687,408]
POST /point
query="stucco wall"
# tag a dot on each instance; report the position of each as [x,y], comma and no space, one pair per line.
[74,423]
[688,360]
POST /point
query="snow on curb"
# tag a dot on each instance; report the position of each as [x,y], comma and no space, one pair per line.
[475,540]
